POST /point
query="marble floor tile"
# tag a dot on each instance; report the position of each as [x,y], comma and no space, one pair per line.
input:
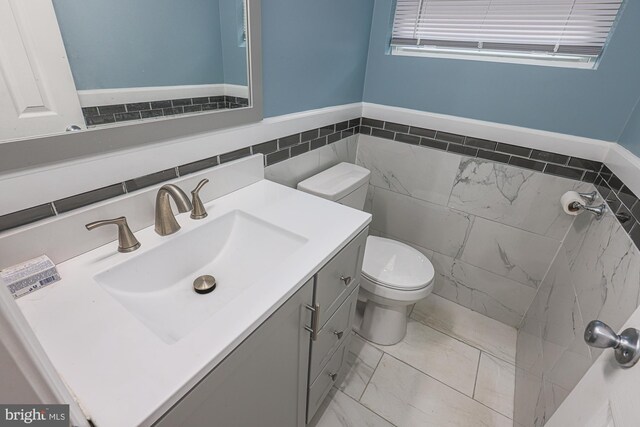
[407,397]
[408,169]
[362,360]
[510,252]
[505,194]
[495,296]
[365,351]
[495,386]
[425,224]
[438,355]
[339,410]
[468,326]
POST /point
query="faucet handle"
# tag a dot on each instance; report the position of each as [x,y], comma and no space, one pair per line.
[198,211]
[127,242]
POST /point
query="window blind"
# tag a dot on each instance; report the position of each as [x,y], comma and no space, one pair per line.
[569,27]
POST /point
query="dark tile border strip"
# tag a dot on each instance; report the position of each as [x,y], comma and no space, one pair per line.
[540,161]
[274,151]
[622,201]
[107,114]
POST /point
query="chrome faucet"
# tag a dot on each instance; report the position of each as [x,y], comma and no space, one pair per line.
[165,219]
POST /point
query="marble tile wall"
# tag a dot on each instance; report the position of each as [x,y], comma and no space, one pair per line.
[491,229]
[291,171]
[595,275]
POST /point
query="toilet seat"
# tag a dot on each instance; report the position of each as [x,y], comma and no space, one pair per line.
[396,266]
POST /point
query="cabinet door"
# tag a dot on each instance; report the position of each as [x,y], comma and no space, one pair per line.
[37,92]
[263,382]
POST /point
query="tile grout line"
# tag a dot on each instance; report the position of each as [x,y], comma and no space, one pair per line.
[448,386]
[475,383]
[366,407]
[435,328]
[374,370]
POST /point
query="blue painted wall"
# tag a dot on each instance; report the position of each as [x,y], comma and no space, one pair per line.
[141,43]
[631,136]
[591,103]
[234,50]
[314,53]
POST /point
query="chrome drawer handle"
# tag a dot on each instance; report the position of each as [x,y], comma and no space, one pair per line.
[333,376]
[346,280]
[338,334]
[315,320]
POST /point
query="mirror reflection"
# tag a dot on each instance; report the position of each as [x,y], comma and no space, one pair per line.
[145,59]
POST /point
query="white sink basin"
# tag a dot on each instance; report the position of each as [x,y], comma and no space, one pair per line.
[156,286]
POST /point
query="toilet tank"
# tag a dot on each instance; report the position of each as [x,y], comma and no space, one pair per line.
[344,183]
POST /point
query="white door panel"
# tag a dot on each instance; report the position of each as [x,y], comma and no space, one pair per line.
[37,92]
[607,396]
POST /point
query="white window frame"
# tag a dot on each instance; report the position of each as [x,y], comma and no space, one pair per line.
[516,57]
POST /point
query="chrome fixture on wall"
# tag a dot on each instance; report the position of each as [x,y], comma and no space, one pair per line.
[626,345]
[575,203]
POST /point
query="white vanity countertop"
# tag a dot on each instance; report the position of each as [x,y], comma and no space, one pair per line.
[122,373]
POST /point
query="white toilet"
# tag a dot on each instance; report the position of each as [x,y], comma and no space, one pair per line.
[394,275]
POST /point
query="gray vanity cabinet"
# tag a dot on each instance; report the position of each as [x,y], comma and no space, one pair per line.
[263,382]
[279,376]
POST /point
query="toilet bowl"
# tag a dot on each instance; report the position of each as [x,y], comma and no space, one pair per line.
[394,275]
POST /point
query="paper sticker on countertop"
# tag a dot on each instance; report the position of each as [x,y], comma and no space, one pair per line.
[29,276]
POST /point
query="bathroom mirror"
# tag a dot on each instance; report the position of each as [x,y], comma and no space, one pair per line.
[134,60]
[126,72]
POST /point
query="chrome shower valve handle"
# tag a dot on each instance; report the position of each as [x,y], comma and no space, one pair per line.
[626,345]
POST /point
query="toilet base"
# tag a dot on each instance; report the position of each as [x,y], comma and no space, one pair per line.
[384,325]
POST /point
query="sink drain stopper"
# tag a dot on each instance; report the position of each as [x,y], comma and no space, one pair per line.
[204,284]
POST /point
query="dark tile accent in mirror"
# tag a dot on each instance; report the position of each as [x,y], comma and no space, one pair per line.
[122,117]
[84,199]
[106,114]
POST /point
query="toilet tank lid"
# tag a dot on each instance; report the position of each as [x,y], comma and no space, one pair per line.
[336,182]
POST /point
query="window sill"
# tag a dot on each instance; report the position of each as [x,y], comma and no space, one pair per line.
[561,61]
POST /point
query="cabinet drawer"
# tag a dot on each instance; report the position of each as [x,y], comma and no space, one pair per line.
[339,277]
[329,376]
[332,334]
